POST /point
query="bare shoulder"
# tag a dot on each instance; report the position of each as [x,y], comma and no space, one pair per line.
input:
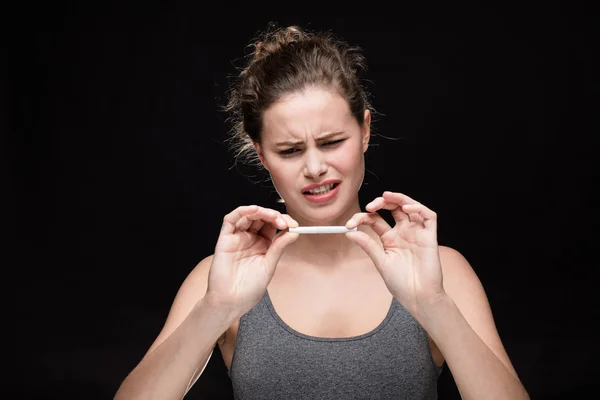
[455,266]
[461,282]
[463,286]
[193,287]
[198,277]
[190,292]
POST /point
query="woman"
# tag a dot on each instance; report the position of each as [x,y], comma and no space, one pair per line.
[371,313]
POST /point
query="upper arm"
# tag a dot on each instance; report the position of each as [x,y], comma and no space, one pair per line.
[190,292]
[465,289]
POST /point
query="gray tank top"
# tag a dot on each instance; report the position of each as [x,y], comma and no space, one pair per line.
[273,361]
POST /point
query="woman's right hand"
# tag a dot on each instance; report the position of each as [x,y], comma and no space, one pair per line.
[246,255]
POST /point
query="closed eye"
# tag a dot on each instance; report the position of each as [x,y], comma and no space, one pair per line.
[334,142]
[291,151]
[287,152]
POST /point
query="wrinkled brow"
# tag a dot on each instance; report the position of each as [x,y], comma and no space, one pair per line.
[321,138]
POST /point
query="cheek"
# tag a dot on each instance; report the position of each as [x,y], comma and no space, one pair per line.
[283,176]
[348,159]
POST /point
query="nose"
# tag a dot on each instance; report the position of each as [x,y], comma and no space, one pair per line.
[315,164]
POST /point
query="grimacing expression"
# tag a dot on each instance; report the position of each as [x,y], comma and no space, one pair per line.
[309,137]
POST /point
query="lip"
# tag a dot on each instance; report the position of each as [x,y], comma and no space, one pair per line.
[323,198]
[316,185]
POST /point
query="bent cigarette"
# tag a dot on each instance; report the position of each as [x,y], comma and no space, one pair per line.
[321,229]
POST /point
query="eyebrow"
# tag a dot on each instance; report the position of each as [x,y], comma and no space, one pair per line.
[319,139]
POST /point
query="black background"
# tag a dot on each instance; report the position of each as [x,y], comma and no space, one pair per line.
[117,177]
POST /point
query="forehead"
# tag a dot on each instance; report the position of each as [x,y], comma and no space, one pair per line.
[303,115]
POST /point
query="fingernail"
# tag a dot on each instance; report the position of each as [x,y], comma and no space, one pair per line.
[280,221]
[294,224]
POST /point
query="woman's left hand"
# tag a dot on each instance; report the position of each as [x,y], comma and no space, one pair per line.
[409,261]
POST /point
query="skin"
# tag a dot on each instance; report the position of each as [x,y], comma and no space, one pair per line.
[435,283]
[406,255]
[305,117]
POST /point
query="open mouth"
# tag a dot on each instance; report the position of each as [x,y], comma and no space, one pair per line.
[321,190]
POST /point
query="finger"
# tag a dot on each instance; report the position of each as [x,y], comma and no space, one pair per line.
[398,198]
[230,220]
[252,223]
[416,218]
[381,204]
[374,220]
[269,216]
[427,216]
[268,231]
[256,226]
[245,224]
[276,249]
[365,242]
[291,222]
[266,222]
[420,209]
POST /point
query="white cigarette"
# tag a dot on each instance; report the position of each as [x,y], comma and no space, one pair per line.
[321,229]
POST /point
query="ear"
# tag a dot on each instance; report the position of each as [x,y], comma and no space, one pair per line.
[366,130]
[261,156]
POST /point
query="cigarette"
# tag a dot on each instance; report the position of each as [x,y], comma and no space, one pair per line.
[321,229]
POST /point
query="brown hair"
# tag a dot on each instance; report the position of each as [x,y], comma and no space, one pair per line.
[287,60]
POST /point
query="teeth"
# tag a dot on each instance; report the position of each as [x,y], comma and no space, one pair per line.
[322,189]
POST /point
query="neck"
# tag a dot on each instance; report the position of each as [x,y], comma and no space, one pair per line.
[327,251]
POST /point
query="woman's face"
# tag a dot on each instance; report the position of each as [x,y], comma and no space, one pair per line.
[308,138]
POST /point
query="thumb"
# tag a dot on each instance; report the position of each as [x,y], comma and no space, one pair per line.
[370,247]
[276,249]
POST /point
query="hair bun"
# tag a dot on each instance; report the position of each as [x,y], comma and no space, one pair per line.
[282,61]
[274,40]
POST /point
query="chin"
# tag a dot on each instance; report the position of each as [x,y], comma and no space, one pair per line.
[330,215]
[324,214]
